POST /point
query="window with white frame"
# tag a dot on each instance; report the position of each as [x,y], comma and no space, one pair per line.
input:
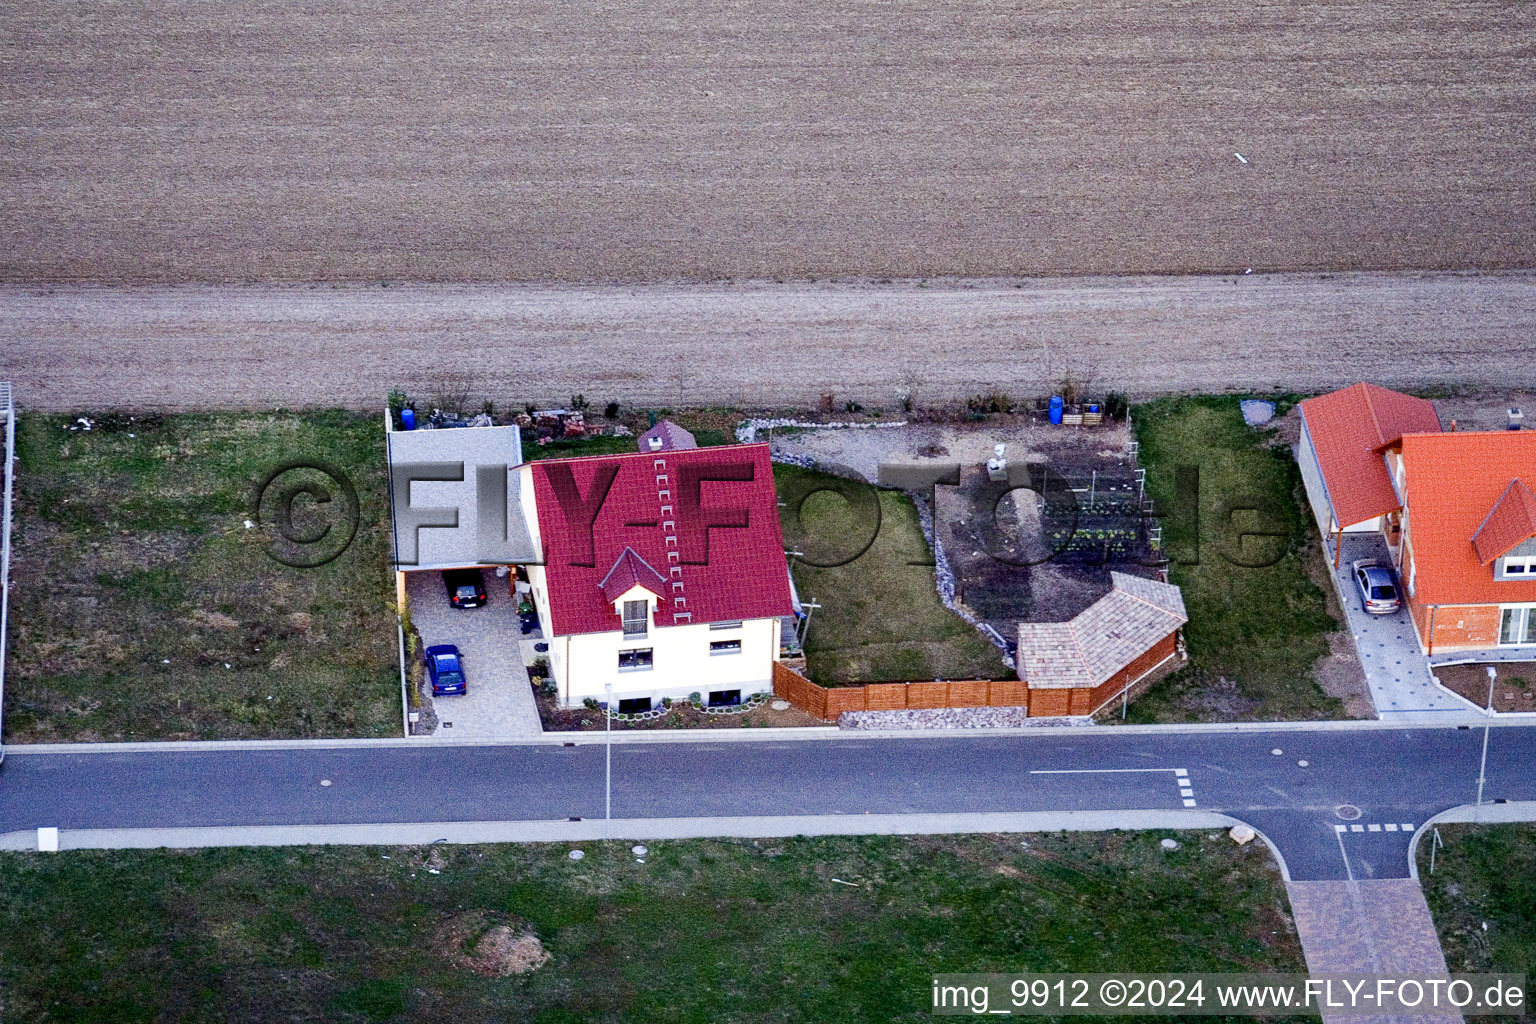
[636,660]
[1517,624]
[1517,567]
[636,618]
[725,647]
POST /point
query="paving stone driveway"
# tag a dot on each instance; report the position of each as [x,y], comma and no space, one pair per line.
[499,704]
[1395,669]
[1380,926]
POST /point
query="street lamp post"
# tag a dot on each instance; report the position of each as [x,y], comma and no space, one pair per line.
[1482,771]
[608,761]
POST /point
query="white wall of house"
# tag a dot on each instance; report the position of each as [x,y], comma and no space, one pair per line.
[1312,480]
[536,577]
[1372,525]
[681,662]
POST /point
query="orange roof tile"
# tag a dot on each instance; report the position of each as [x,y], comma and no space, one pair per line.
[1454,483]
[1512,522]
[1348,428]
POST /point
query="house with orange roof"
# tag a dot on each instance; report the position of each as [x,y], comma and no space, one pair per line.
[1456,509]
[1468,559]
[1344,436]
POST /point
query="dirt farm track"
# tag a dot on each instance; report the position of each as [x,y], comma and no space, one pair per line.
[654,140]
[761,344]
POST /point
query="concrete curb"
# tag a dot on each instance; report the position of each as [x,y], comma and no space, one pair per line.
[1488,814]
[804,734]
[420,833]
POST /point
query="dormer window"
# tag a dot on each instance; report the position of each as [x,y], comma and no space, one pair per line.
[655,443]
[1515,567]
[636,618]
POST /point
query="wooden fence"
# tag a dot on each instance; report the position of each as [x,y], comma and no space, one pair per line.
[827,703]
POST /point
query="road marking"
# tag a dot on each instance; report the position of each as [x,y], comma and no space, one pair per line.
[1391,827]
[1373,828]
[1348,871]
[1357,828]
[1101,771]
[1180,775]
[1406,828]
[1341,828]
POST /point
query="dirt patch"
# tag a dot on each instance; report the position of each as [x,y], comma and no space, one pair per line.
[493,945]
[1339,672]
[201,347]
[1341,675]
[1515,689]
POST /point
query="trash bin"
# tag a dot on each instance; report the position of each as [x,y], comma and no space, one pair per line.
[1056,409]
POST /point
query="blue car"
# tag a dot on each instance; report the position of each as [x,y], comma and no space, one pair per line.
[446,670]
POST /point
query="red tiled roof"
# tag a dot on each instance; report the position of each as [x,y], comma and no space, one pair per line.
[628,572]
[704,518]
[1512,522]
[1454,483]
[672,437]
[1348,428]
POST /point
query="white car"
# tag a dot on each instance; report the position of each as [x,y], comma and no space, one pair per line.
[1378,590]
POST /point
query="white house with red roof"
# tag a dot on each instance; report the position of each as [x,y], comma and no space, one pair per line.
[663,571]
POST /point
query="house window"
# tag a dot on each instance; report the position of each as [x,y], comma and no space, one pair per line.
[1518,625]
[1517,567]
[634,705]
[725,625]
[636,660]
[724,698]
[724,647]
[635,618]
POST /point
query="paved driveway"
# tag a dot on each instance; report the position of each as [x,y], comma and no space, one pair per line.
[499,704]
[1395,669]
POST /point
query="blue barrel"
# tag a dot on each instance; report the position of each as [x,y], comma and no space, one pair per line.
[408,419]
[1056,409]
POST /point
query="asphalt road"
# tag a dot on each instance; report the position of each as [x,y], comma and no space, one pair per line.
[1399,777]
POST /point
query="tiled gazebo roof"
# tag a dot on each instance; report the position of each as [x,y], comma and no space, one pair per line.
[1102,639]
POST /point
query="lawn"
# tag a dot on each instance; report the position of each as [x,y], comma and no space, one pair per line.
[144,608]
[1483,896]
[1257,622]
[703,931]
[880,617]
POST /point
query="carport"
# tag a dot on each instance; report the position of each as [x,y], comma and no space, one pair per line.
[455,503]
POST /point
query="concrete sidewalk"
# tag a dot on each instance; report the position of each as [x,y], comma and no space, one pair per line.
[1396,671]
[1381,926]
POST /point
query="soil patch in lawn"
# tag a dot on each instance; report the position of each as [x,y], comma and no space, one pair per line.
[492,945]
[1515,689]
